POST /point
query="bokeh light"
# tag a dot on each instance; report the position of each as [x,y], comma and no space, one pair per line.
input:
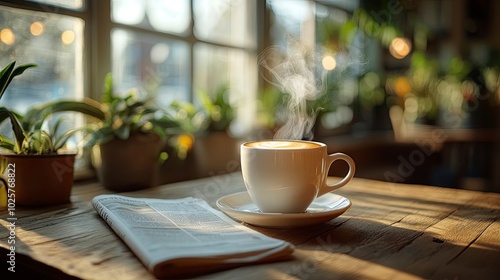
[7,36]
[329,62]
[68,37]
[400,47]
[37,28]
[402,86]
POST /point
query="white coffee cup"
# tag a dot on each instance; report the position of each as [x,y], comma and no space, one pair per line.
[285,176]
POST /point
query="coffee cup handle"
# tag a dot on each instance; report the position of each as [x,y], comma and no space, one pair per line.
[326,188]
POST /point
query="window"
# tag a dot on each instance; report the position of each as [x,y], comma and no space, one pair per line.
[169,48]
[226,22]
[162,47]
[53,41]
[158,65]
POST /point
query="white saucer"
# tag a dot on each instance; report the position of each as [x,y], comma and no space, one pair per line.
[240,206]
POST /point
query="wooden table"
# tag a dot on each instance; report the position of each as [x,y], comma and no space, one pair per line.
[392,231]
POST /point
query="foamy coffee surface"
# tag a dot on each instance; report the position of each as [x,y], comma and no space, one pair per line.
[281,145]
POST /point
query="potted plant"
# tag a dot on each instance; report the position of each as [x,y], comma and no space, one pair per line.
[215,148]
[217,108]
[128,142]
[181,164]
[39,171]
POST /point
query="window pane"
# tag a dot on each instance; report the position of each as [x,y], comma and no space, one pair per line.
[70,4]
[151,63]
[218,66]
[291,18]
[129,12]
[52,41]
[159,15]
[231,22]
[169,16]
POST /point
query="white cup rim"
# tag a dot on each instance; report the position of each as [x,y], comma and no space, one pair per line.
[320,144]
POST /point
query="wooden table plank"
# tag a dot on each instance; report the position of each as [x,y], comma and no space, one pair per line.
[481,254]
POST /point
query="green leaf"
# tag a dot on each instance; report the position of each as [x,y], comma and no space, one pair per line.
[347,32]
[61,141]
[205,101]
[9,72]
[96,135]
[7,144]
[35,116]
[38,142]
[5,76]
[56,126]
[107,96]
[19,133]
[4,114]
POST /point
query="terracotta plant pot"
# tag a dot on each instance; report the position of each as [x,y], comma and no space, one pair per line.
[40,179]
[216,153]
[128,165]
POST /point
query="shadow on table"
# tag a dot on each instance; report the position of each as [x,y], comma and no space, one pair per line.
[361,249]
[27,268]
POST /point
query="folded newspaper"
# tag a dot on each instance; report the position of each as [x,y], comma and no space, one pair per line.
[185,237]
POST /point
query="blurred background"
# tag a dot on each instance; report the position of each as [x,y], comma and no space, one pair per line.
[408,88]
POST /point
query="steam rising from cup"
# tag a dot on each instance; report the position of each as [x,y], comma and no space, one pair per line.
[297,73]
